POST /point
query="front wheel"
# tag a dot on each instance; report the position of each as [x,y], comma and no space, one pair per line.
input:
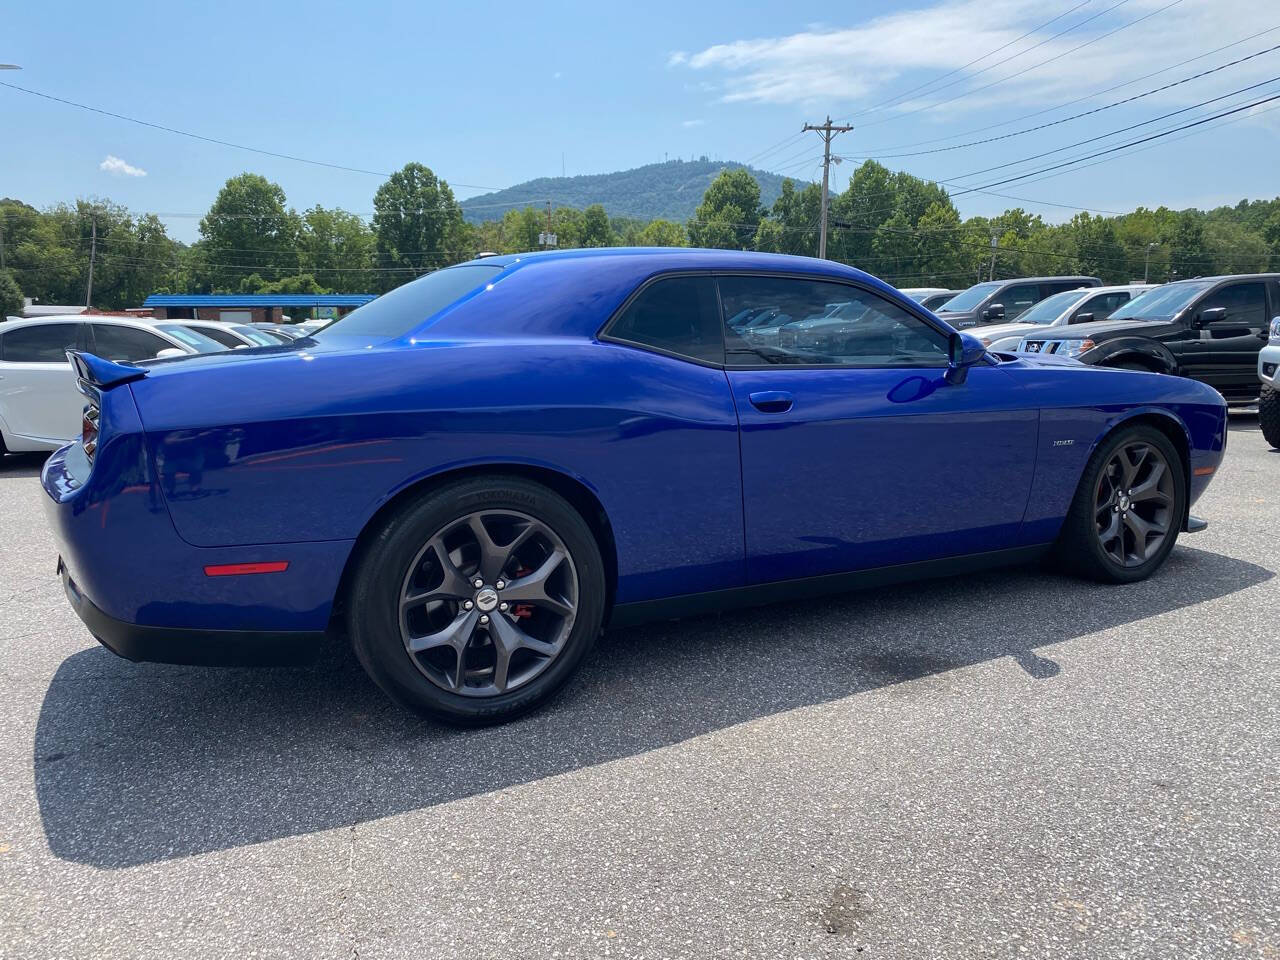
[1269,415]
[1127,510]
[477,602]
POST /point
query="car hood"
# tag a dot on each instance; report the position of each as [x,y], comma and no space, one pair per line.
[1080,331]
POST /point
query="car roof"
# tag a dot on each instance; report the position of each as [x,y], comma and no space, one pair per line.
[689,258]
[1227,276]
[14,322]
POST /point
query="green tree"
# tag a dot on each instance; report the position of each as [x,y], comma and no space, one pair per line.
[729,213]
[11,301]
[339,248]
[417,222]
[596,231]
[793,223]
[1188,254]
[662,233]
[249,230]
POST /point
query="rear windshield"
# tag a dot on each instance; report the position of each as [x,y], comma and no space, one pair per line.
[396,313]
[968,299]
[1162,302]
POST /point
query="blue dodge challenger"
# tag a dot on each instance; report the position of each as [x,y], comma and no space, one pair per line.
[479,470]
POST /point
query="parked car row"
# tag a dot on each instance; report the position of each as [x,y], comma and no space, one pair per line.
[39,404]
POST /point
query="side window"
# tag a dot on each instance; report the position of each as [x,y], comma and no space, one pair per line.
[815,322]
[43,343]
[1246,304]
[676,315]
[1017,299]
[224,337]
[1101,306]
[113,341]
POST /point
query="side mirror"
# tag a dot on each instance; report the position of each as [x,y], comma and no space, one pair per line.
[168,352]
[1212,315]
[965,351]
[1082,318]
[994,312]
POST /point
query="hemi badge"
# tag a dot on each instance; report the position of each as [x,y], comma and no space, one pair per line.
[236,569]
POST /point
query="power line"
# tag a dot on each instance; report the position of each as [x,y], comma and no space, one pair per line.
[1025,70]
[201,137]
[1077,116]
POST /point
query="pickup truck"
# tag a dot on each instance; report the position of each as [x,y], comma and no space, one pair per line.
[1210,329]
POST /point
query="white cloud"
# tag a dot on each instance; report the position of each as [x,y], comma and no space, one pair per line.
[113,164]
[884,57]
[556,75]
[677,57]
[692,123]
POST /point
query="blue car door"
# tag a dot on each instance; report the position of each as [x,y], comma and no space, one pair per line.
[856,452]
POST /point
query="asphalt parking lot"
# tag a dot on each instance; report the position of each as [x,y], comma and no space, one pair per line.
[1006,765]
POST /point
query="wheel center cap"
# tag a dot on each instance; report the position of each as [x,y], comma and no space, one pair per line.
[487,599]
[1124,502]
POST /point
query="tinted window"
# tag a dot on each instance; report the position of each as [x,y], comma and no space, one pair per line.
[224,337]
[1057,286]
[396,313]
[114,342]
[817,322]
[44,343]
[1017,299]
[1246,303]
[678,315]
[1101,306]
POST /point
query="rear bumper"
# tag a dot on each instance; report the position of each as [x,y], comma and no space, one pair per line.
[187,646]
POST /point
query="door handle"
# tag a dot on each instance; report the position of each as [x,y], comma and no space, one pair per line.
[771,401]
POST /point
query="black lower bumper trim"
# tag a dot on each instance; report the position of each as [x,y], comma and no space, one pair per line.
[1196,524]
[224,648]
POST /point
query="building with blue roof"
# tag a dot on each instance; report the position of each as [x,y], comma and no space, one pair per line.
[251,307]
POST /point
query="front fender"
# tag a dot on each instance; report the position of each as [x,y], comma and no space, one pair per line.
[1143,350]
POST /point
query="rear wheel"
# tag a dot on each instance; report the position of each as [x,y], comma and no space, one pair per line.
[1128,508]
[477,602]
[1269,415]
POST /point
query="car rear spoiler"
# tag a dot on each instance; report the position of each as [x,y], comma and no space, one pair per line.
[102,374]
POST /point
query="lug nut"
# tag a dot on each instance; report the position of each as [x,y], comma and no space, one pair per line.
[502,606]
[484,618]
[468,605]
[478,583]
[500,585]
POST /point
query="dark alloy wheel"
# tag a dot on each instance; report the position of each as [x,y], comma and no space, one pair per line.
[1133,504]
[1128,508]
[488,603]
[478,600]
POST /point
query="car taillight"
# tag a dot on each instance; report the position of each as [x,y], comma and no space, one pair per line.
[89,429]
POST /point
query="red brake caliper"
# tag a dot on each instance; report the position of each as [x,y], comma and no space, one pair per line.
[522,611]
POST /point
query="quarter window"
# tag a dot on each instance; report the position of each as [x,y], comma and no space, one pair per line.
[113,341]
[815,322]
[43,343]
[676,315]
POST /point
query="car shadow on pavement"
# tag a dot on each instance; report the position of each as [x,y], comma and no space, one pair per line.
[141,763]
[17,465]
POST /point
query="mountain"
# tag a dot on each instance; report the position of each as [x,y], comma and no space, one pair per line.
[671,190]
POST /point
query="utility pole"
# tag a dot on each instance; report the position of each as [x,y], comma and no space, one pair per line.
[1146,266]
[548,239]
[827,131]
[995,245]
[1,242]
[93,249]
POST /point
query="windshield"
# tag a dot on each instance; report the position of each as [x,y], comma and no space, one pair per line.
[1162,302]
[396,313]
[260,337]
[1049,309]
[968,299]
[196,341]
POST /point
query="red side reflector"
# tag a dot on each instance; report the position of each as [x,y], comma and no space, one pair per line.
[1203,471]
[236,569]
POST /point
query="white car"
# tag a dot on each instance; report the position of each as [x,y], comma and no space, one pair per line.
[40,407]
[231,335]
[1070,306]
[1269,374]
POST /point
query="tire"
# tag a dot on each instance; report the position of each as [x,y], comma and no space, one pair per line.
[1089,544]
[438,657]
[1269,415]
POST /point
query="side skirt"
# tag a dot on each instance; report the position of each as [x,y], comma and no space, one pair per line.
[760,594]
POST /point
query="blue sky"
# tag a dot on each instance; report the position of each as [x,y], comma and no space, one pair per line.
[490,94]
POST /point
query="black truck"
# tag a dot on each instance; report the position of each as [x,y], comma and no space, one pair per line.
[1209,329]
